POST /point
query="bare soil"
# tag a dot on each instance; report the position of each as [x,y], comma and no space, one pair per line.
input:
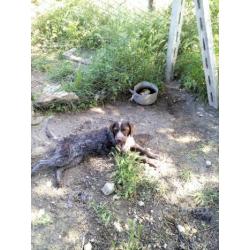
[185,134]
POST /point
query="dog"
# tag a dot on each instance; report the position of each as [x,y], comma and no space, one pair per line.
[72,150]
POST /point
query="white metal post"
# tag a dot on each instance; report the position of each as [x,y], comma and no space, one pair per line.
[207,49]
[174,37]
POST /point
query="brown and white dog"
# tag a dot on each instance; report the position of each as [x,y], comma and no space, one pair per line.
[123,134]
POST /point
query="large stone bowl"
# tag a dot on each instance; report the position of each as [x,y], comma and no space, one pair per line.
[144,99]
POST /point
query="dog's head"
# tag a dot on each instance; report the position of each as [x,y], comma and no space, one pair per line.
[123,132]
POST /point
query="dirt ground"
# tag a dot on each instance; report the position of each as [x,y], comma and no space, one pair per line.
[185,134]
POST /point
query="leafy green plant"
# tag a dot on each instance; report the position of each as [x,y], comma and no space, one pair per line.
[134,238]
[61,70]
[103,213]
[207,197]
[128,173]
[42,220]
[41,63]
[185,175]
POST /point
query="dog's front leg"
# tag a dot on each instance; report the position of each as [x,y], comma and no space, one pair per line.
[144,151]
[149,161]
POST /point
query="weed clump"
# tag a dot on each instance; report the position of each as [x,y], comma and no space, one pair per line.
[128,174]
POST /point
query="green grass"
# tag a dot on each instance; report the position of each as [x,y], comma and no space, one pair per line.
[128,174]
[208,196]
[43,220]
[41,63]
[102,212]
[131,181]
[133,241]
[185,175]
[62,71]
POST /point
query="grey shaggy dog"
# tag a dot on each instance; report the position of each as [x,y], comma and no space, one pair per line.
[71,150]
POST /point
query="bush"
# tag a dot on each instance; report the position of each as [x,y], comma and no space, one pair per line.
[128,48]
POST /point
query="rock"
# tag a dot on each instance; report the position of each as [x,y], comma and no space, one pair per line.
[52,94]
[165,246]
[208,163]
[199,114]
[38,152]
[118,226]
[181,229]
[88,246]
[108,188]
[141,203]
[70,56]
[36,120]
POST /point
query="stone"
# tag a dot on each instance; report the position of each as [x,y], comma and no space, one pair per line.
[118,226]
[199,114]
[52,94]
[38,152]
[88,246]
[141,203]
[181,229]
[70,56]
[36,120]
[108,188]
[208,163]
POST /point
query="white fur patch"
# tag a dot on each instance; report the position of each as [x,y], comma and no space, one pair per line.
[130,142]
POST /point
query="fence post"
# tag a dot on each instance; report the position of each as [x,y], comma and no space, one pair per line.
[207,49]
[174,37]
[151,6]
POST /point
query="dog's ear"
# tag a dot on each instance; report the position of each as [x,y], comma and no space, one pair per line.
[132,128]
[112,127]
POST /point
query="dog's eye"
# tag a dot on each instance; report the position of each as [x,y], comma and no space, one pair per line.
[115,130]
